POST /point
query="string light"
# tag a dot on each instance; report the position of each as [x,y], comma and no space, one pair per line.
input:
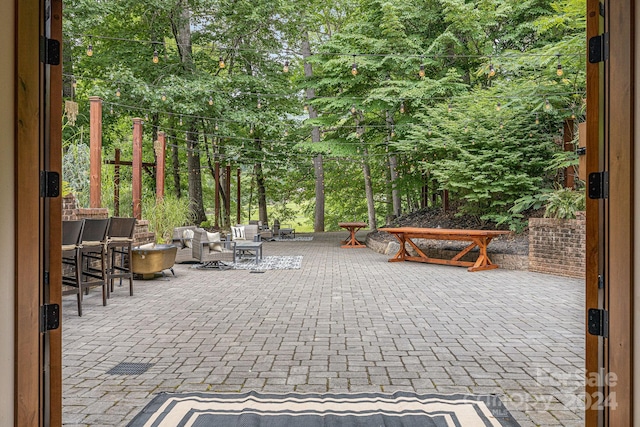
[210,100]
[393,132]
[285,68]
[259,104]
[90,47]
[498,106]
[421,71]
[221,63]
[306,108]
[111,110]
[353,109]
[251,130]
[164,97]
[537,119]
[146,117]
[74,84]
[559,71]
[354,67]
[429,130]
[547,104]
[216,127]
[180,122]
[492,71]
[118,92]
[402,109]
[501,125]
[155,56]
[449,108]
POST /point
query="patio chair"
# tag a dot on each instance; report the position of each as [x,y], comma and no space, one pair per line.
[210,251]
[71,231]
[93,256]
[248,232]
[119,241]
[283,232]
[184,243]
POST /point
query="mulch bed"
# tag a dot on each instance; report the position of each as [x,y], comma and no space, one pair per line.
[517,244]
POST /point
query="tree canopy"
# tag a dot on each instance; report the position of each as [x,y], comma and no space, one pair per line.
[381,106]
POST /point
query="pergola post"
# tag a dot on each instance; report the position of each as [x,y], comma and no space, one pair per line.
[160,149]
[238,197]
[216,203]
[227,200]
[95,151]
[136,191]
[116,183]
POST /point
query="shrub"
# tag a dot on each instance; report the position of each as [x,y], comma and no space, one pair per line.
[166,214]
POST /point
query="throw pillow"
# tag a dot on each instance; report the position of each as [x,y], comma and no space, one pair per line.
[238,232]
[214,242]
[187,235]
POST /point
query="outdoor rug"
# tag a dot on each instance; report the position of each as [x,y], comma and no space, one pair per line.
[400,409]
[293,239]
[270,263]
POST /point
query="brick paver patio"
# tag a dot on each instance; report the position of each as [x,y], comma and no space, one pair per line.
[348,320]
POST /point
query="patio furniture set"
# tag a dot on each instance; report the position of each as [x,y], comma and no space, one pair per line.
[95,252]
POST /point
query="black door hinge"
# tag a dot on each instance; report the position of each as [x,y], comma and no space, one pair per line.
[49,184]
[581,151]
[49,51]
[599,48]
[599,185]
[49,317]
[598,322]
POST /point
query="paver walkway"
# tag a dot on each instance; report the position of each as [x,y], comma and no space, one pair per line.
[348,320]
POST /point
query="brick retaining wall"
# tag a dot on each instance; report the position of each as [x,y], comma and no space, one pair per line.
[71,212]
[557,246]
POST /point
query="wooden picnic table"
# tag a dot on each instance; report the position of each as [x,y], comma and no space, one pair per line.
[353,228]
[479,238]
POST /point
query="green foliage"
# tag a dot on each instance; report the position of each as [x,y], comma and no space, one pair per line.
[564,203]
[75,172]
[166,214]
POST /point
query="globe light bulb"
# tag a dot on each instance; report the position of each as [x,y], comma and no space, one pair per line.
[118,92]
[90,49]
[210,100]
[353,109]
[155,56]
[221,63]
[402,109]
[559,70]
[449,108]
[547,104]
[164,97]
[354,67]
[498,106]
[180,122]
[537,119]
[492,71]
[285,68]
[421,73]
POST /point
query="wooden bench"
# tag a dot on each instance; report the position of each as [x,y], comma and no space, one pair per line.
[478,238]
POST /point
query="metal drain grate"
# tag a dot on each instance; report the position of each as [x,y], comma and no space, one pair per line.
[125,368]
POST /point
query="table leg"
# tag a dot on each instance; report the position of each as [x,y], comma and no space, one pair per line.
[402,252]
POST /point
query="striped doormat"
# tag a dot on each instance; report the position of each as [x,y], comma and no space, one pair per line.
[400,409]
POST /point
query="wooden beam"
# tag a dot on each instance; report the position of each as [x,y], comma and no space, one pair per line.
[28,247]
[620,267]
[136,190]
[568,135]
[594,256]
[95,144]
[54,155]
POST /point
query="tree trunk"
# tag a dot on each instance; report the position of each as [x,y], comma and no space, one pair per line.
[368,189]
[195,177]
[262,193]
[318,167]
[393,173]
[181,27]
[175,162]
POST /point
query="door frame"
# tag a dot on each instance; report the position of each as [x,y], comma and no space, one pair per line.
[38,356]
[610,221]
